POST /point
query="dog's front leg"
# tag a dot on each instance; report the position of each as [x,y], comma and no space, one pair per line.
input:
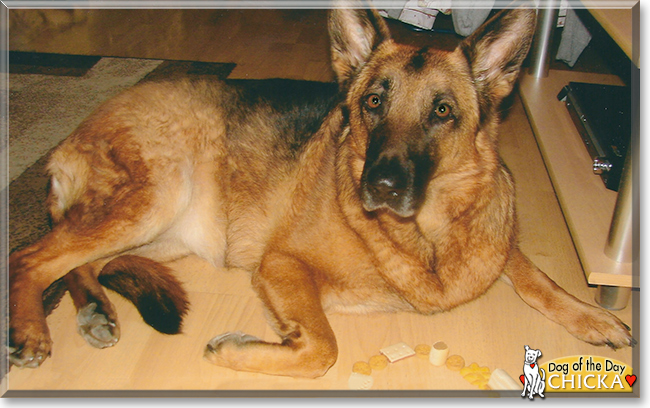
[533,386]
[526,385]
[530,385]
[290,294]
[588,323]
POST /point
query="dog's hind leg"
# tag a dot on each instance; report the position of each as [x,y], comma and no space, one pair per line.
[86,234]
[96,317]
[148,284]
[308,347]
[588,323]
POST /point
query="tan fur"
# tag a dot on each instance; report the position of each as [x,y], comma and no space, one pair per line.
[167,169]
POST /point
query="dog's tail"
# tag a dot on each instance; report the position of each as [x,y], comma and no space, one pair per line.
[542,374]
[151,287]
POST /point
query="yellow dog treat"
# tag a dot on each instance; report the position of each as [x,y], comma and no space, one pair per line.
[438,354]
[378,362]
[465,371]
[474,368]
[476,375]
[422,351]
[455,363]
[361,367]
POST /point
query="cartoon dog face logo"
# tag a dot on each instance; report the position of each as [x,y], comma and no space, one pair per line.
[535,377]
[532,355]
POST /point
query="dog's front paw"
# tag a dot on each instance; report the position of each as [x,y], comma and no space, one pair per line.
[224,350]
[29,347]
[97,327]
[599,327]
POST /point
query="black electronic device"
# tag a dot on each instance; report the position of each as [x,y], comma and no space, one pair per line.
[601,113]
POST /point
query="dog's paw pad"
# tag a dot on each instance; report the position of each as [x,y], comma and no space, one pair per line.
[98,329]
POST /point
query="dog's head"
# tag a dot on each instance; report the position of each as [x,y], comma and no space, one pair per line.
[416,113]
[531,355]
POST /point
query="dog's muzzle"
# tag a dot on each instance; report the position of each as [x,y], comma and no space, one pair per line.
[390,183]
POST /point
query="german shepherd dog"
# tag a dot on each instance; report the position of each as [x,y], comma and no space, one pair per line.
[384,192]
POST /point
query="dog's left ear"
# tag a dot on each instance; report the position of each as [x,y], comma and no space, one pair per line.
[355,32]
[495,52]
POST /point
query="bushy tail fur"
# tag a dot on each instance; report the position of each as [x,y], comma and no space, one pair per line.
[151,287]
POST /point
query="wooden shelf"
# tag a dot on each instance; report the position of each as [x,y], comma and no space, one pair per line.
[619,24]
[587,205]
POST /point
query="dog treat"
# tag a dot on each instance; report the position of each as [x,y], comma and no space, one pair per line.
[484,387]
[455,363]
[361,367]
[438,354]
[476,375]
[397,352]
[378,362]
[474,368]
[422,351]
[500,380]
[359,381]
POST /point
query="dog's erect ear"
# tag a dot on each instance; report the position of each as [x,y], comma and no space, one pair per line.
[495,52]
[355,32]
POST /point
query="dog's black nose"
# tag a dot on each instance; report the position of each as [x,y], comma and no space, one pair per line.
[386,184]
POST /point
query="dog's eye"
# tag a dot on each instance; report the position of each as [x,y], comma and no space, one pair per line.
[443,111]
[373,101]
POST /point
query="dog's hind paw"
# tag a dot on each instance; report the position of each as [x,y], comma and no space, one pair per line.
[97,327]
[28,351]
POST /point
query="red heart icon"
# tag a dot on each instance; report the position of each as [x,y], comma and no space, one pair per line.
[631,379]
[522,378]
[532,365]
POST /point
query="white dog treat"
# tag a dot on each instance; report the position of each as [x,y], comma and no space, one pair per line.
[500,380]
[438,354]
[397,352]
[360,381]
